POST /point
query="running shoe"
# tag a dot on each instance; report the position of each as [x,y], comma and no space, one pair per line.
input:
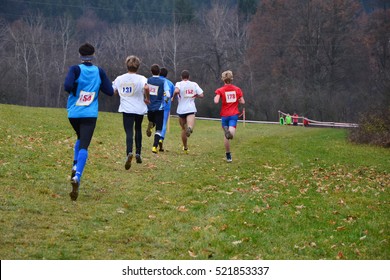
[188,131]
[149,129]
[138,158]
[128,161]
[75,188]
[160,145]
[154,150]
[228,134]
[228,157]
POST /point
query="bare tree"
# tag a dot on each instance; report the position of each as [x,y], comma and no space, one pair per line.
[62,35]
[216,29]
[305,51]
[23,61]
[4,61]
[40,46]
[378,41]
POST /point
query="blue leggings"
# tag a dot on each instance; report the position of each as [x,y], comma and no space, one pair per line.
[84,128]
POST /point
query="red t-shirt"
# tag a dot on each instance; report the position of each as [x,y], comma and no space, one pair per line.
[230,94]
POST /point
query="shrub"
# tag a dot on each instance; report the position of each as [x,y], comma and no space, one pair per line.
[374,129]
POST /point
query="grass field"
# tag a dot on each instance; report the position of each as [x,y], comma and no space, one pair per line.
[290,193]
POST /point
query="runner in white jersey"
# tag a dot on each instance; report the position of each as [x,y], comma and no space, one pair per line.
[187,91]
[134,95]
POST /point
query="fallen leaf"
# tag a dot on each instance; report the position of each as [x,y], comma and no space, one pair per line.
[168,183]
[192,254]
[340,255]
[182,208]
[342,202]
[257,209]
[224,227]
[196,228]
[357,252]
[303,191]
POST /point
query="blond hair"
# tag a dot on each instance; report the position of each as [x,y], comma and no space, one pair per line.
[132,63]
[227,76]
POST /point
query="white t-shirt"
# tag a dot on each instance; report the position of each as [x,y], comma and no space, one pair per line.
[186,100]
[131,91]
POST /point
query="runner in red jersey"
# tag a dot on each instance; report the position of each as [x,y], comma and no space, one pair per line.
[231,96]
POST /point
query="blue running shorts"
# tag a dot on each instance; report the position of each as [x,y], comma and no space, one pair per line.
[229,121]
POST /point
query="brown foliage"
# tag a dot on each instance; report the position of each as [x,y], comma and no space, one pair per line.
[374,128]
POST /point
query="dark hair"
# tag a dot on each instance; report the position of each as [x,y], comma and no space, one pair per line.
[185,74]
[86,50]
[155,69]
[163,72]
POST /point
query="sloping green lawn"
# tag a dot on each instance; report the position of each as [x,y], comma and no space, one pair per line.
[290,193]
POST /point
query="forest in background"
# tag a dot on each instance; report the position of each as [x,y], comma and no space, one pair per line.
[324,59]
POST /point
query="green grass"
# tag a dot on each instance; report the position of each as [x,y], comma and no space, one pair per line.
[290,193]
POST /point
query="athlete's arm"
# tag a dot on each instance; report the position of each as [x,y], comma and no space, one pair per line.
[216,98]
[176,92]
[167,92]
[201,95]
[146,94]
[106,85]
[70,85]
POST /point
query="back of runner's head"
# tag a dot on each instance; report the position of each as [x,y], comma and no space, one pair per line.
[132,63]
[227,76]
[185,74]
[86,51]
[155,69]
[163,72]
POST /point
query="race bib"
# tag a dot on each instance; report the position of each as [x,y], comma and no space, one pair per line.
[231,96]
[153,90]
[85,98]
[189,92]
[127,89]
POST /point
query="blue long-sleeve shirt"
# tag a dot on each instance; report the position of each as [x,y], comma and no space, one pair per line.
[158,90]
[83,83]
[171,91]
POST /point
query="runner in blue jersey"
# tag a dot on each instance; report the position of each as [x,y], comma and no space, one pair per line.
[167,108]
[159,96]
[83,83]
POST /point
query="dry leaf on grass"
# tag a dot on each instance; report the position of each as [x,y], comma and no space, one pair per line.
[182,208]
[192,254]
